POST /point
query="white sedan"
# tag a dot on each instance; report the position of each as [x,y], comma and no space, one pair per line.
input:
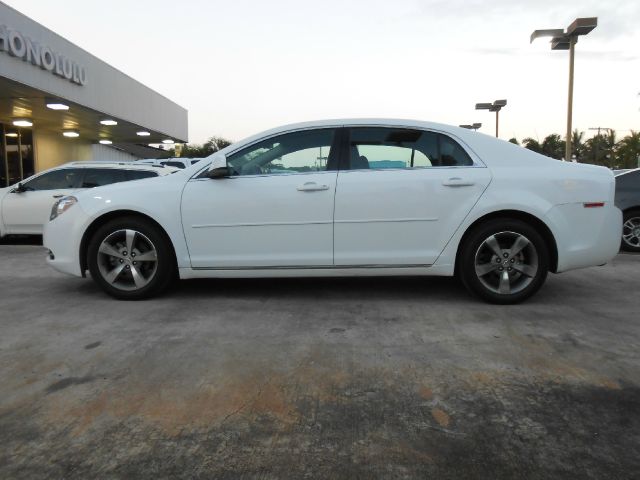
[346,198]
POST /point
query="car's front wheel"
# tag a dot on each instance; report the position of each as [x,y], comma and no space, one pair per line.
[131,258]
[504,261]
[631,231]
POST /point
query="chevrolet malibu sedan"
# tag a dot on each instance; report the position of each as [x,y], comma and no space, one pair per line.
[346,198]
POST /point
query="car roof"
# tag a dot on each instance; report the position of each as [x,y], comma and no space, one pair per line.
[159,169]
[344,122]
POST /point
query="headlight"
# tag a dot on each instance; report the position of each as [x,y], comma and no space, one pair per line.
[61,206]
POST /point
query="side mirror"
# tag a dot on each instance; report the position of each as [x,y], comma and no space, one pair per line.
[19,188]
[218,167]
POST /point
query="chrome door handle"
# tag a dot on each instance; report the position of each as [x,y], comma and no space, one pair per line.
[458,182]
[58,196]
[312,187]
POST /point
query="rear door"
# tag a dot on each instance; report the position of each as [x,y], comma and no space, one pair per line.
[27,212]
[401,196]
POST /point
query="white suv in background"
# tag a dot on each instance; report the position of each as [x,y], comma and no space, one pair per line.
[26,206]
[172,162]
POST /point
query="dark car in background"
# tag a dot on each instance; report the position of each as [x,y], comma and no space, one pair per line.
[628,200]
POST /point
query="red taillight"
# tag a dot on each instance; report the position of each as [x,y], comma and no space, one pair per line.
[593,204]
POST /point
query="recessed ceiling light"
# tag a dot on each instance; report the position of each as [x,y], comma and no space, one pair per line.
[71,134]
[57,106]
[106,142]
[23,123]
[143,134]
[108,122]
[167,141]
[11,134]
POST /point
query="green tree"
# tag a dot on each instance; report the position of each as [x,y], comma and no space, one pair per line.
[212,145]
[532,144]
[553,146]
[577,144]
[594,150]
[612,147]
[514,140]
[629,150]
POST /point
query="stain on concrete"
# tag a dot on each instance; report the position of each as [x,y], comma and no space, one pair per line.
[344,430]
[68,382]
[441,417]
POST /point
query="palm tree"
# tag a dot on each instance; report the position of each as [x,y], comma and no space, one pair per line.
[610,146]
[594,150]
[577,145]
[629,150]
[532,144]
[553,146]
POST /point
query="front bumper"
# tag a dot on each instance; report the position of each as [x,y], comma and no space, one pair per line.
[62,237]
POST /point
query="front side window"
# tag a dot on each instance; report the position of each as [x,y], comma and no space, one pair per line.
[65,178]
[298,152]
[379,148]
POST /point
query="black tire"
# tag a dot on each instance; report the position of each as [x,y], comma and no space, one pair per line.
[477,256]
[630,244]
[153,276]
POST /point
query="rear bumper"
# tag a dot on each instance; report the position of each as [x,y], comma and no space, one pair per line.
[585,237]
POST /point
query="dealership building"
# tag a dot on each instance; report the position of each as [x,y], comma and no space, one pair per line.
[59,103]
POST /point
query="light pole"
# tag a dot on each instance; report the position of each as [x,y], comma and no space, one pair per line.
[496,106]
[472,126]
[562,40]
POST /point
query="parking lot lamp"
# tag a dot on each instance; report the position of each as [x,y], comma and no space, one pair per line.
[496,106]
[472,126]
[566,40]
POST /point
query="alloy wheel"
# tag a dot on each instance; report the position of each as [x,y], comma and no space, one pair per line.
[631,232]
[127,260]
[506,263]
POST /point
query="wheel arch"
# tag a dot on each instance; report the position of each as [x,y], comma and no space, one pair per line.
[542,227]
[102,219]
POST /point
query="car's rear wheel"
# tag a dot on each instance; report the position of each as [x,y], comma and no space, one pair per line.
[504,261]
[131,258]
[631,231]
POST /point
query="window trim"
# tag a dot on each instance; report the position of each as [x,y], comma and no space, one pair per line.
[341,127]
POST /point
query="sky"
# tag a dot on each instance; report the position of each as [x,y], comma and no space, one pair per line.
[243,66]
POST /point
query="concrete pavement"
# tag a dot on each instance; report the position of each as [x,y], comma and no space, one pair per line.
[346,378]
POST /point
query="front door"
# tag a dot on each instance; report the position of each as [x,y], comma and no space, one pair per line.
[402,196]
[275,211]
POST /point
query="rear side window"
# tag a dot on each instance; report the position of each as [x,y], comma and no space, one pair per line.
[64,178]
[139,174]
[628,181]
[380,148]
[97,177]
